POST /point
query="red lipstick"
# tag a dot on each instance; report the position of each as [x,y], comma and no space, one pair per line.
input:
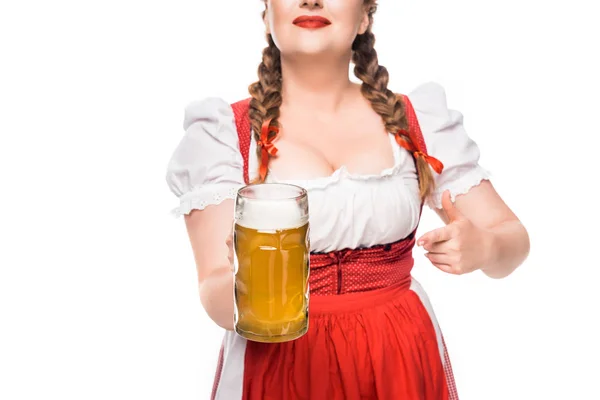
[311,22]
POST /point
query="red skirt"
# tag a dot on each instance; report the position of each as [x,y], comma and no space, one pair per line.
[371,345]
[378,340]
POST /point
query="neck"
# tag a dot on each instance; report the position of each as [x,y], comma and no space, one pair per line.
[315,82]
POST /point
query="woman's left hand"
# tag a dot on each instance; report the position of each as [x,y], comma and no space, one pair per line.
[459,247]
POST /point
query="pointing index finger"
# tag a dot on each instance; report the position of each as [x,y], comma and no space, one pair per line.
[436,235]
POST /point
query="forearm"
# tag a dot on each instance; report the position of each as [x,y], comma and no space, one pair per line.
[508,248]
[216,296]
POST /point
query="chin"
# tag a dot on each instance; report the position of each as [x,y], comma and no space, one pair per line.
[315,48]
[305,43]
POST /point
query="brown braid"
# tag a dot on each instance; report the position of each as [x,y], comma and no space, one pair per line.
[387,104]
[266,92]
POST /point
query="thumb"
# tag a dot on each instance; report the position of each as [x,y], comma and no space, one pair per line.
[449,207]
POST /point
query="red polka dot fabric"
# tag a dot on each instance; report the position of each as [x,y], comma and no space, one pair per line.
[244,129]
[348,271]
[414,129]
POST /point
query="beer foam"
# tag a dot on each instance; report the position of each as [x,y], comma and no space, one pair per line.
[267,214]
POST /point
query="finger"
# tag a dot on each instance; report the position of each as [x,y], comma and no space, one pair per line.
[449,207]
[446,267]
[444,247]
[439,258]
[436,235]
[443,267]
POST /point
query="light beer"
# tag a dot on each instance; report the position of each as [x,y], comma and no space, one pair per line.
[271,247]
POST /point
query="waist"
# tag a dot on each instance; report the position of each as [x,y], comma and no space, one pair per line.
[357,301]
[361,270]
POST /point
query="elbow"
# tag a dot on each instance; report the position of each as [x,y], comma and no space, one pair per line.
[499,273]
[526,244]
[510,254]
[523,246]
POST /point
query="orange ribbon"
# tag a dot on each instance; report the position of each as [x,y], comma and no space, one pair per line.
[432,161]
[267,147]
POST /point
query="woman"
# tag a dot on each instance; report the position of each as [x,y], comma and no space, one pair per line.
[369,160]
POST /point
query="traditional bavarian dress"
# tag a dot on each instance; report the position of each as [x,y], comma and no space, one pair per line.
[372,332]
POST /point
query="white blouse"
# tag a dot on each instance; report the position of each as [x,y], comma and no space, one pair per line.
[346,210]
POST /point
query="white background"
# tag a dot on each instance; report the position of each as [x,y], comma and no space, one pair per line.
[98,293]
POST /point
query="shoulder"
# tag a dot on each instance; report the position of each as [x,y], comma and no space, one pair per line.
[447,140]
[207,109]
[441,126]
[431,106]
[241,107]
[428,94]
[209,126]
[208,150]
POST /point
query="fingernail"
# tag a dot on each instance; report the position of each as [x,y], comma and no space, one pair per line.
[420,243]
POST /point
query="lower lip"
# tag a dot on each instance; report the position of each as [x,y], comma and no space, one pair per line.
[311,24]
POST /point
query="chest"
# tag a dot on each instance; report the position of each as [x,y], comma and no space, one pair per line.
[362,187]
[316,147]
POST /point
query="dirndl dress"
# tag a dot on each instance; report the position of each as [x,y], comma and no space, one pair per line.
[372,330]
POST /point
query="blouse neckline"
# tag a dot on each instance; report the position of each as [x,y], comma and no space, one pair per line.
[339,174]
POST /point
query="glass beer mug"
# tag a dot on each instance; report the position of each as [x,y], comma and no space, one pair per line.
[271,260]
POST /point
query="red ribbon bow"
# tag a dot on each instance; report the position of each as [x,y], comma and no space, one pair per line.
[432,161]
[267,147]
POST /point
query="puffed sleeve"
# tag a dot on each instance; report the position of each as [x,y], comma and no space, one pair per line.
[447,140]
[206,167]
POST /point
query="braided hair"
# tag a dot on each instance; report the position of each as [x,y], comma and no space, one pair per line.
[266,93]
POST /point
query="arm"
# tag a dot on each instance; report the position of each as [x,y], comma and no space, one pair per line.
[481,232]
[207,165]
[210,231]
[508,239]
